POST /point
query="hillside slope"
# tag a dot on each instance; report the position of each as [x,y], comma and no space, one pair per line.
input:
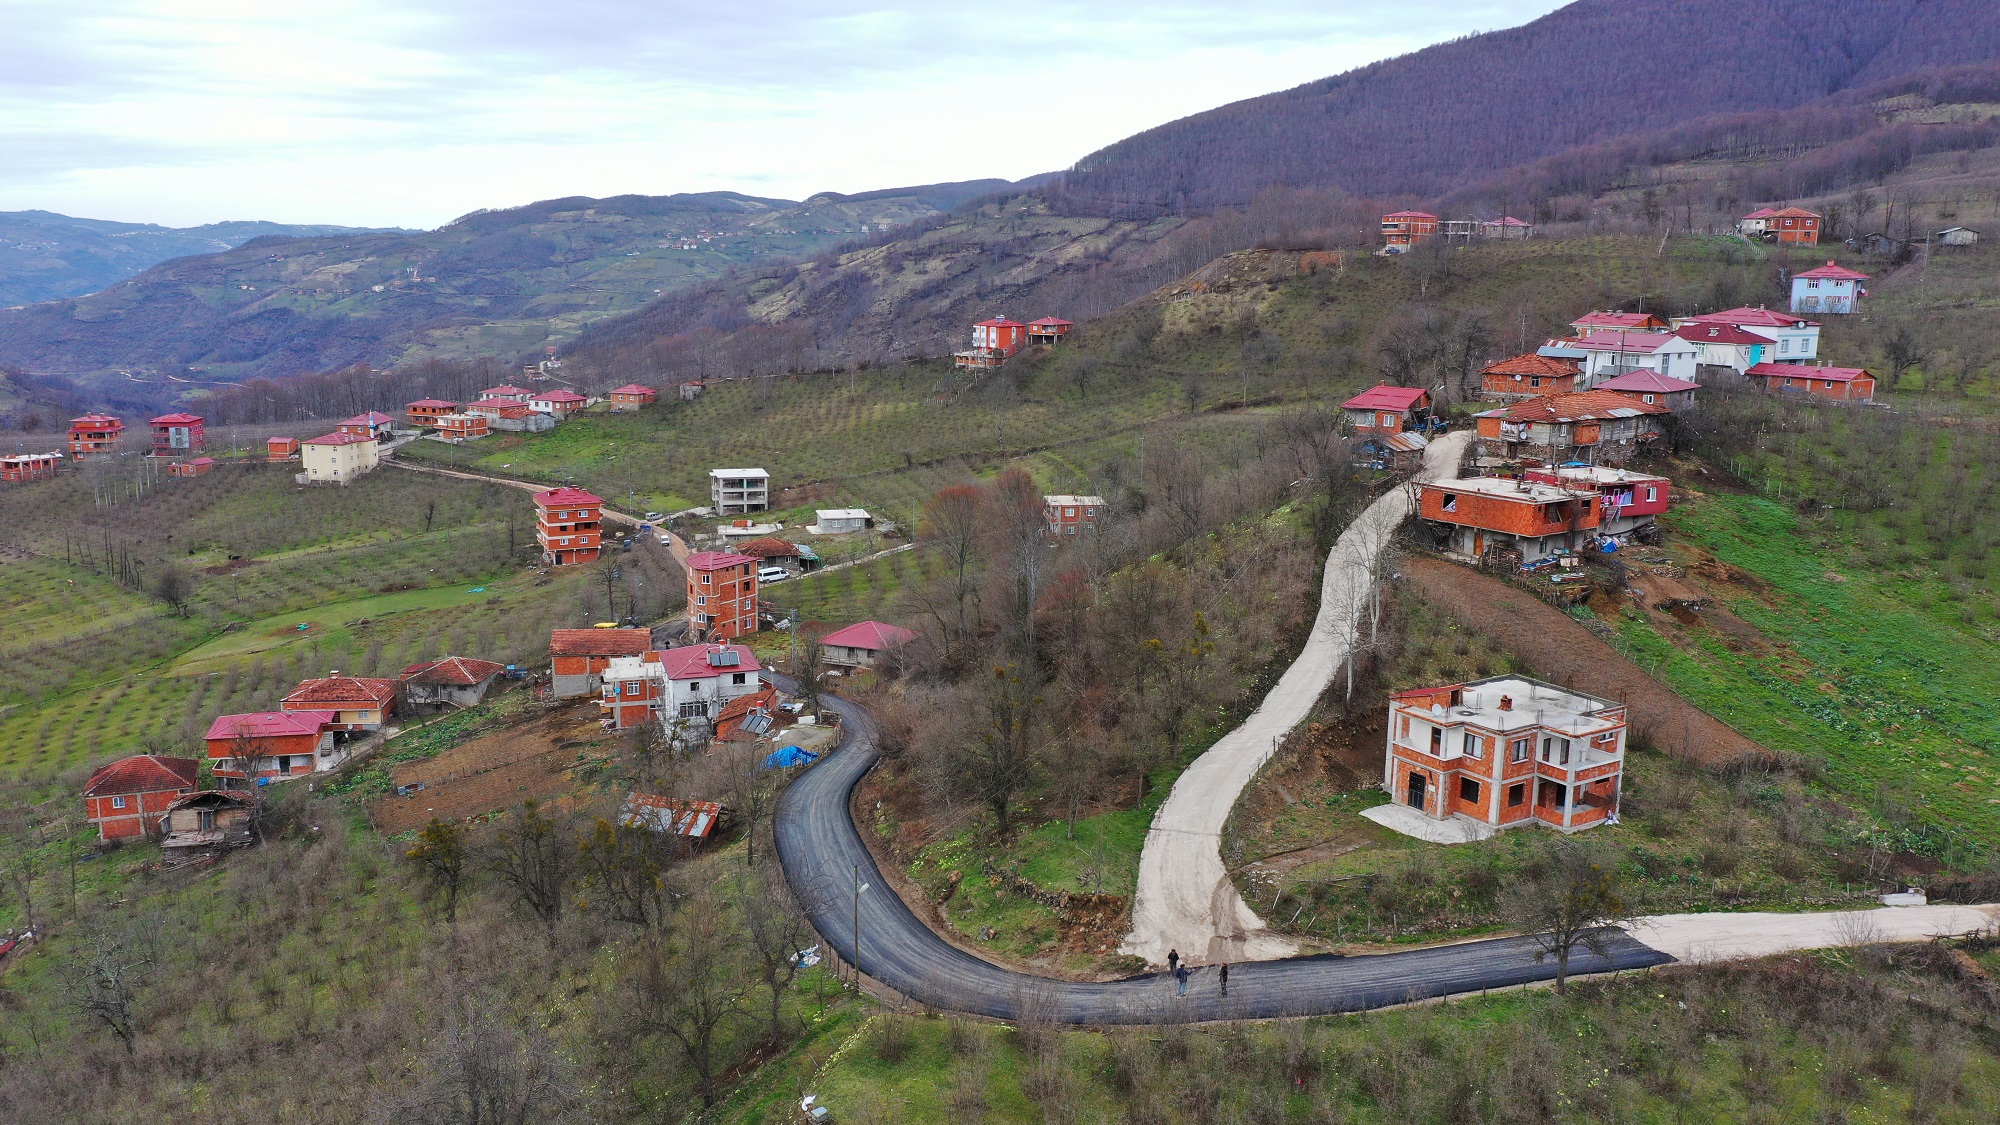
[493,283]
[46,257]
[1427,122]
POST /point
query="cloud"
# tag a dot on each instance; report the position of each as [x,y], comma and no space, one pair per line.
[379,112]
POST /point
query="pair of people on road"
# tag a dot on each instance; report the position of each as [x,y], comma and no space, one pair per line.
[1181,973]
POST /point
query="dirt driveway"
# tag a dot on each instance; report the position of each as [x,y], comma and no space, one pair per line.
[1560,649]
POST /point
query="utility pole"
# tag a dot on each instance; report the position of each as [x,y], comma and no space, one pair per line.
[859,886]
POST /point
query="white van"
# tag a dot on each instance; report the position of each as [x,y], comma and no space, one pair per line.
[769,574]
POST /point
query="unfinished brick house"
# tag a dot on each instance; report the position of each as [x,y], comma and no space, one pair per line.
[578,657]
[21,467]
[1528,376]
[1477,517]
[1626,500]
[1505,752]
[721,595]
[127,798]
[1595,427]
[1598,321]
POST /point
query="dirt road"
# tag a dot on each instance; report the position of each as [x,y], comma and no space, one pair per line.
[1726,937]
[675,546]
[1185,899]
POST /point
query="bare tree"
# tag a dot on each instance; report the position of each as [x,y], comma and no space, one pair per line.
[952,521]
[623,872]
[478,1070]
[176,587]
[1568,901]
[1000,760]
[535,855]
[776,930]
[686,989]
[440,853]
[102,983]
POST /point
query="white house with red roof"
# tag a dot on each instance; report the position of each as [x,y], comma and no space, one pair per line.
[1831,288]
[1720,346]
[559,403]
[1793,338]
[508,391]
[127,798]
[1383,411]
[337,458]
[1611,353]
[1616,321]
[677,685]
[863,643]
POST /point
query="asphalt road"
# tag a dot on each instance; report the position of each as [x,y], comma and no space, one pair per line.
[825,860]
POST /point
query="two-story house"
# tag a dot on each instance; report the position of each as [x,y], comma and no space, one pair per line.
[271,746]
[127,798]
[1793,339]
[359,703]
[1596,427]
[1505,752]
[1476,516]
[1626,500]
[578,657]
[1528,376]
[1831,288]
[1612,353]
[687,685]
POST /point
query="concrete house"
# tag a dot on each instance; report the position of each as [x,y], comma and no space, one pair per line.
[1402,230]
[559,403]
[1793,338]
[18,468]
[337,458]
[735,492]
[1723,348]
[841,521]
[1792,225]
[1506,752]
[127,798]
[1626,500]
[457,681]
[690,684]
[1612,353]
[862,644]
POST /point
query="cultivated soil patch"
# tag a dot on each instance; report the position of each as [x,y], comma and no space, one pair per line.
[1547,639]
[494,771]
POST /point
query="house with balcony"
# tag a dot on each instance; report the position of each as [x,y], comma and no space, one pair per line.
[1594,427]
[268,746]
[1048,330]
[95,435]
[177,435]
[1831,288]
[689,686]
[337,458]
[374,425]
[735,492]
[1473,518]
[569,524]
[425,412]
[1627,501]
[18,468]
[993,341]
[1506,752]
[1723,349]
[1402,230]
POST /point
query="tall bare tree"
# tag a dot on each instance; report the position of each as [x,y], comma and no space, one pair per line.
[1568,901]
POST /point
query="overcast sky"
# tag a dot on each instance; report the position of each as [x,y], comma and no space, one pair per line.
[411,112]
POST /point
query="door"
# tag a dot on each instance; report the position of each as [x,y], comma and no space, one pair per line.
[1418,783]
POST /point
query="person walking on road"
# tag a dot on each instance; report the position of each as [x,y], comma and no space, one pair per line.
[1223,976]
[1173,959]
[1181,975]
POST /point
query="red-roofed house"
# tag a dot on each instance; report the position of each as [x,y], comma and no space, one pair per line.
[281,449]
[722,595]
[1383,411]
[678,685]
[1786,224]
[1048,330]
[127,798]
[1611,352]
[578,657]
[468,426]
[1832,288]
[631,396]
[1842,384]
[94,435]
[1653,389]
[1595,427]
[192,467]
[1528,376]
[508,391]
[862,644]
[359,703]
[271,745]
[1404,229]
[569,524]
[1723,347]
[1795,337]
[993,341]
[426,411]
[177,434]
[1607,321]
[456,680]
[373,425]
[559,403]
[337,458]
[16,468]
[1507,226]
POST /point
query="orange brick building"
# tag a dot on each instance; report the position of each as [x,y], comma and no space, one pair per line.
[127,798]
[722,595]
[1842,384]
[1784,225]
[569,524]
[426,411]
[94,434]
[281,448]
[631,396]
[176,434]
[1383,411]
[1404,229]
[1505,752]
[270,746]
[1528,376]
[20,467]
[1474,516]
[578,657]
[1048,330]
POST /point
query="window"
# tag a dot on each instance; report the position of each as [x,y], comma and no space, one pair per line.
[1533,381]
[117,802]
[738,677]
[1784,346]
[1829,384]
[1474,747]
[1652,492]
[631,687]
[1788,382]
[1548,749]
[701,599]
[1521,747]
[706,578]
[1515,795]
[1812,283]
[1451,501]
[1468,789]
[1437,742]
[694,710]
[1069,513]
[1648,398]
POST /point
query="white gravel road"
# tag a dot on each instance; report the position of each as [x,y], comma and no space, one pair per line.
[1185,900]
[1726,937]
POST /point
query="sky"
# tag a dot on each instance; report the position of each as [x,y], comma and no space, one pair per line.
[412,112]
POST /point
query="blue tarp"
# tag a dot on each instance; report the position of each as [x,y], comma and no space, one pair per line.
[786,756]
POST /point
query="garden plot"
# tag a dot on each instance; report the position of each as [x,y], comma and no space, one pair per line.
[495,771]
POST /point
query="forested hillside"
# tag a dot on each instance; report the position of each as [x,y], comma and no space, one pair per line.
[1429,122]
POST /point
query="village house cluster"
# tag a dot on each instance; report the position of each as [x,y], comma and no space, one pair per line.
[996,340]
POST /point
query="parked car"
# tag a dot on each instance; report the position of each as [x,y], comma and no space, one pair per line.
[769,574]
[655,517]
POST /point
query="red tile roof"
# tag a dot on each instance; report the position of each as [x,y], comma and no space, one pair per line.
[506,389]
[999,322]
[1835,271]
[872,635]
[633,389]
[564,395]
[1385,397]
[95,418]
[1050,321]
[1582,406]
[142,773]
[334,439]
[1507,221]
[433,402]
[343,689]
[566,497]
[1614,320]
[1646,382]
[1763,318]
[716,560]
[1761,213]
[372,418]
[600,642]
[176,420]
[1806,371]
[1531,364]
[1409,215]
[267,724]
[729,722]
[691,663]
[1620,341]
[460,671]
[1718,334]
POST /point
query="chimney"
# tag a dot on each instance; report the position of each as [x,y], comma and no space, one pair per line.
[1506,703]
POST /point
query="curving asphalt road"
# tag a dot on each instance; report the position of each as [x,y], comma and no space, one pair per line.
[825,860]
